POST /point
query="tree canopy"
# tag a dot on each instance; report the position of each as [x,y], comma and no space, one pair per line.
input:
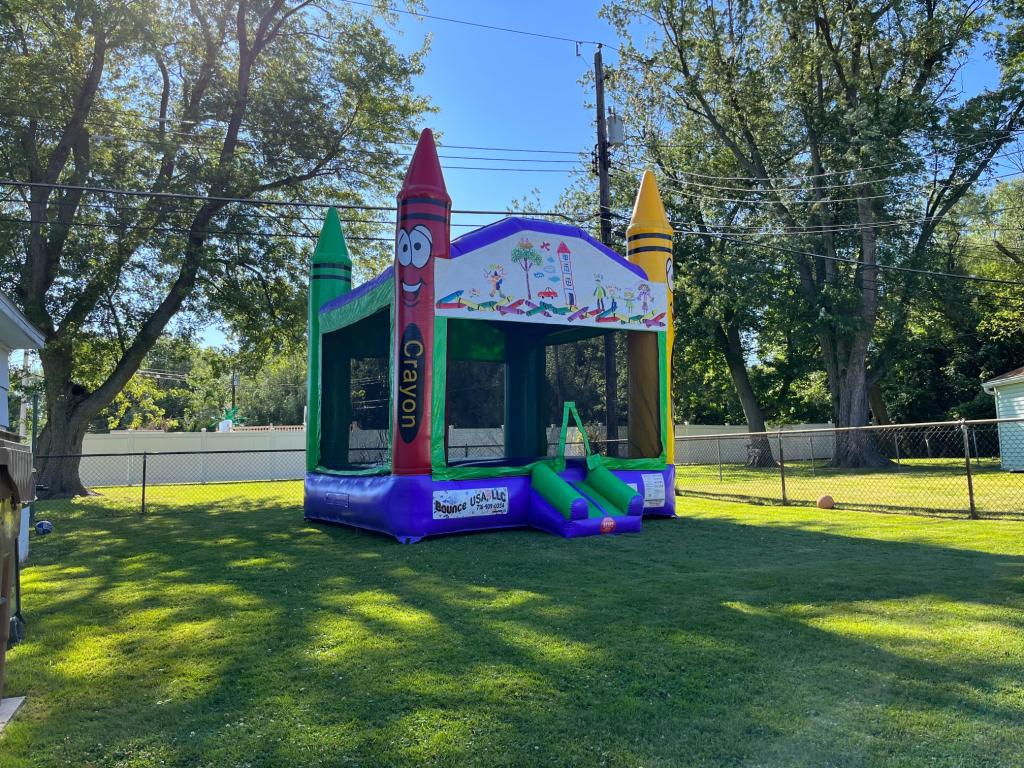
[818,145]
[193,105]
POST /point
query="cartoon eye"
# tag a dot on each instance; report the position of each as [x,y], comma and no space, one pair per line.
[669,271]
[421,242]
[403,248]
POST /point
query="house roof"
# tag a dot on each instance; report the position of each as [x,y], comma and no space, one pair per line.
[16,332]
[491,233]
[359,290]
[478,238]
[1017,374]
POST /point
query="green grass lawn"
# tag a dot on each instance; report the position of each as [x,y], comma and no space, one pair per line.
[935,485]
[234,634]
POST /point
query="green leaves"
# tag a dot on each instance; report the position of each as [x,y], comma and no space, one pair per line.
[218,98]
[806,143]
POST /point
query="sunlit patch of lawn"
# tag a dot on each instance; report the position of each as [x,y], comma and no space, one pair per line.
[231,633]
[916,485]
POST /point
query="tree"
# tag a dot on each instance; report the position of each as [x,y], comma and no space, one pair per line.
[193,103]
[526,256]
[275,392]
[851,141]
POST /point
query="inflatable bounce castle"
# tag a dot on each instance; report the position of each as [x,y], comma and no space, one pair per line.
[478,322]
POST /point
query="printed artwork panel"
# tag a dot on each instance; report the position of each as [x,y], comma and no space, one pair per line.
[542,278]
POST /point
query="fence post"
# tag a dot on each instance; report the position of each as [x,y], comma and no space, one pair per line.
[967,464]
[810,445]
[143,482]
[896,442]
[782,469]
[719,441]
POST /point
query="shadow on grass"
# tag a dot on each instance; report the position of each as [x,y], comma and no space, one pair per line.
[235,634]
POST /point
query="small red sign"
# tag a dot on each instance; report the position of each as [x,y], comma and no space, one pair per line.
[608,525]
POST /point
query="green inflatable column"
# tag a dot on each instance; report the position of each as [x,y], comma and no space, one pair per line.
[330,277]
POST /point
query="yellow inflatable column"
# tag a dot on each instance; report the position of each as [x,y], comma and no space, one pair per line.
[649,246]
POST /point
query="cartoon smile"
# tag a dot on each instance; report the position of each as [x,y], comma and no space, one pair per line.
[411,292]
[412,253]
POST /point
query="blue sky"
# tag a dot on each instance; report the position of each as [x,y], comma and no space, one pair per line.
[496,89]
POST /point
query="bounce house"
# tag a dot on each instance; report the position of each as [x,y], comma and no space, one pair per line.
[501,328]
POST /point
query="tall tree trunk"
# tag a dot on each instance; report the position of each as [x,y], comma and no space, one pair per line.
[60,441]
[876,401]
[849,372]
[759,452]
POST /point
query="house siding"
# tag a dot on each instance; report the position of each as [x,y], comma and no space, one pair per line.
[1010,405]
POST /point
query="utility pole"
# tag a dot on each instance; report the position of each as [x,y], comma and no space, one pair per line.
[610,368]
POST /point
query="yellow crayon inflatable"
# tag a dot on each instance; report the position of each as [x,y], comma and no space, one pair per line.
[649,246]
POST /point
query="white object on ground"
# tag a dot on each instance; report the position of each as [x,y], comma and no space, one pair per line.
[26,512]
[8,708]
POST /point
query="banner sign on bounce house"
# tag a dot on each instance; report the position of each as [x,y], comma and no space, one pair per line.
[470,502]
[508,272]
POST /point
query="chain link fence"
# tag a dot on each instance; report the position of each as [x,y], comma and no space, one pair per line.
[969,468]
[173,480]
[962,468]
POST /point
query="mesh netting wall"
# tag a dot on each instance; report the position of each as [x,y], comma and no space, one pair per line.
[507,384]
[354,395]
[475,407]
[575,369]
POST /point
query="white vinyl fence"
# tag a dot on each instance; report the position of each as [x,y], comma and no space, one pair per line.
[736,450]
[276,453]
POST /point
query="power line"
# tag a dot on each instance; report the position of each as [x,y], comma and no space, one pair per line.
[209,144]
[194,137]
[673,182]
[478,25]
[857,262]
[751,230]
[213,148]
[894,164]
[287,203]
[258,217]
[185,230]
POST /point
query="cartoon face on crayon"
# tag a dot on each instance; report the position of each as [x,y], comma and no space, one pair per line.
[413,254]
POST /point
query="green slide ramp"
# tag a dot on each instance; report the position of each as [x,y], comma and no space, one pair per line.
[605,494]
[598,505]
[557,492]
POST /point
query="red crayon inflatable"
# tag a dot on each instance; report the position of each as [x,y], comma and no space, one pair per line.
[424,213]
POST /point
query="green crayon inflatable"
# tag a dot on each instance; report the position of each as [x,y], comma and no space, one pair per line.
[330,277]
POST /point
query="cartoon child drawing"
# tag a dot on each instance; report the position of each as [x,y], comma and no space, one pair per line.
[630,298]
[643,293]
[495,274]
[613,294]
[600,292]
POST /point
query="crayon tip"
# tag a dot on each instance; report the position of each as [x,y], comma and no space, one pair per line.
[330,246]
[648,211]
[424,175]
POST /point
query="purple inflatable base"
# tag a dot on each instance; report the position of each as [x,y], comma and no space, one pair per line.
[411,507]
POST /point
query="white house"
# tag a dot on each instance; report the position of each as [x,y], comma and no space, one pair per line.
[16,332]
[1008,391]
